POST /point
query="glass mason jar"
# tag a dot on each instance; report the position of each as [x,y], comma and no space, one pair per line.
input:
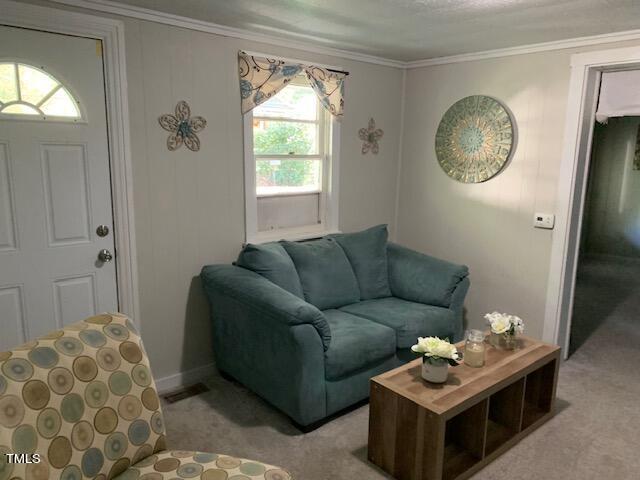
[504,341]
[474,349]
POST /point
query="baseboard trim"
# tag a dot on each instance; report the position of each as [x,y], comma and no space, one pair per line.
[187,377]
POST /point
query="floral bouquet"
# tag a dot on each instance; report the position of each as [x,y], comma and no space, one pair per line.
[437,355]
[504,327]
[437,351]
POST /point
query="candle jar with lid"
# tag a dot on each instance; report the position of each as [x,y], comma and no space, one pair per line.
[474,349]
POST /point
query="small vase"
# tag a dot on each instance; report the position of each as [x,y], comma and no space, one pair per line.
[503,341]
[436,372]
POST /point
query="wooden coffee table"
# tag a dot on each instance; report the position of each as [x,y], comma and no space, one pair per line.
[424,431]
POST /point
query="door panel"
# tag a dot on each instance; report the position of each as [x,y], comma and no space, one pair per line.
[54,191]
[74,298]
[7,215]
[65,179]
[13,321]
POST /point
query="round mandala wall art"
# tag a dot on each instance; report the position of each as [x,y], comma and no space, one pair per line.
[474,139]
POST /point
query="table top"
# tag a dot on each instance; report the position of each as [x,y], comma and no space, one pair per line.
[466,384]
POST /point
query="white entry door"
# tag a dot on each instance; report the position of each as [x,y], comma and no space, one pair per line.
[55,189]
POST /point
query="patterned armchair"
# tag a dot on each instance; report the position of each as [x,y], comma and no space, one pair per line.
[83,402]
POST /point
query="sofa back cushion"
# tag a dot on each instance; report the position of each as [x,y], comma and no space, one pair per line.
[325,273]
[272,262]
[83,399]
[367,253]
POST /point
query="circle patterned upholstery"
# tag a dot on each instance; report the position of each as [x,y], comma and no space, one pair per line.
[83,398]
[203,466]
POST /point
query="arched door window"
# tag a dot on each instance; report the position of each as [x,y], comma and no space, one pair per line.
[30,91]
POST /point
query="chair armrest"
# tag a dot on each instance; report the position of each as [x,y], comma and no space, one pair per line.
[263,296]
[420,278]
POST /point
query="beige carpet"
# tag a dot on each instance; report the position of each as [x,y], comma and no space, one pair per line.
[595,435]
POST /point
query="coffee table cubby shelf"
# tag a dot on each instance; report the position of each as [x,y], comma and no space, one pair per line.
[419,431]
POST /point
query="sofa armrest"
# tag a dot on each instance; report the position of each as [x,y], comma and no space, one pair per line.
[264,296]
[457,305]
[269,340]
[420,278]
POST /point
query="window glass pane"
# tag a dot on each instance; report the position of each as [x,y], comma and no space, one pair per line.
[287,175]
[36,91]
[34,84]
[20,108]
[293,101]
[61,104]
[284,138]
[8,90]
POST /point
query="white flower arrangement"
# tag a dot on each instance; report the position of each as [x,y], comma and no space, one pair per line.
[505,324]
[436,350]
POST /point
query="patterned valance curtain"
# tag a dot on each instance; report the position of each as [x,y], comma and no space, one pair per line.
[261,78]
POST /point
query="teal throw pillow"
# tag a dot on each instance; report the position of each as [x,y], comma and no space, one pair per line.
[367,252]
[272,262]
[325,273]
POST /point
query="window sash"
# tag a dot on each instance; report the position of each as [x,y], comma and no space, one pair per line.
[285,156]
[319,158]
[321,130]
[285,119]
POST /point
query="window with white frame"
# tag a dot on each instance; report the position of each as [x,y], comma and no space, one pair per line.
[290,166]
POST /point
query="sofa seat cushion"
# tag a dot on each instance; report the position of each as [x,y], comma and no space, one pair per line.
[272,262]
[199,465]
[356,343]
[410,320]
[325,273]
[367,252]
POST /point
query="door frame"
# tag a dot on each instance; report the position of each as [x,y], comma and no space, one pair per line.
[111,33]
[584,86]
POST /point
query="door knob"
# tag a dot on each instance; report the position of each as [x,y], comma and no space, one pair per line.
[102,230]
[105,256]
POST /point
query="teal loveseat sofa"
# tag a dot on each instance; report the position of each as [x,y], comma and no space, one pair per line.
[305,325]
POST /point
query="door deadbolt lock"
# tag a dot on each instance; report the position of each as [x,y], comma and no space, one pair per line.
[105,256]
[102,230]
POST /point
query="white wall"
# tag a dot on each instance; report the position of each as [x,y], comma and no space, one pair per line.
[189,207]
[612,211]
[488,226]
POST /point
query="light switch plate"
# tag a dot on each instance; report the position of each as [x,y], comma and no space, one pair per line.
[544,220]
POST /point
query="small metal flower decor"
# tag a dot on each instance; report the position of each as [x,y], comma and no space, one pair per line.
[182,127]
[370,137]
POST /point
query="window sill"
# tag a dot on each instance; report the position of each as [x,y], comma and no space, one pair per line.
[291,234]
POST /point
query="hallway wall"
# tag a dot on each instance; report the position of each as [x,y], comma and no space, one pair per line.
[612,210]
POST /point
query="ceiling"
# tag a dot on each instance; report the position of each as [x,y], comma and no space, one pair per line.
[408,30]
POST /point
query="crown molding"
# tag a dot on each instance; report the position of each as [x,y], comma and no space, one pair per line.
[118,8]
[526,49]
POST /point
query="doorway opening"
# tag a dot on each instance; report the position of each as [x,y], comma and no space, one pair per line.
[607,287]
[586,104]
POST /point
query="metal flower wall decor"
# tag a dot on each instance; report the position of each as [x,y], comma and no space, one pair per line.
[370,137]
[182,127]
